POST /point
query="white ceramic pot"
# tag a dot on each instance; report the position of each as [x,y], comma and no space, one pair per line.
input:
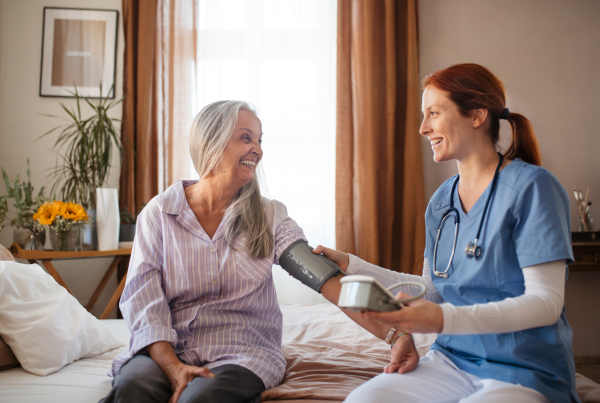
[107,218]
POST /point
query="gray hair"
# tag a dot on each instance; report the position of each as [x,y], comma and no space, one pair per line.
[212,129]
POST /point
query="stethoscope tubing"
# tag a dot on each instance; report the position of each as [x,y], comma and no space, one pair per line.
[472,250]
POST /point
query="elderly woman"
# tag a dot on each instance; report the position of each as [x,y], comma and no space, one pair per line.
[200,300]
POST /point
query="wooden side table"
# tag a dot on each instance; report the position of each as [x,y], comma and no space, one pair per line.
[47,256]
[587,256]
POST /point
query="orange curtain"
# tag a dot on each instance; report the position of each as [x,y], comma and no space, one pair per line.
[160,88]
[380,202]
[139,128]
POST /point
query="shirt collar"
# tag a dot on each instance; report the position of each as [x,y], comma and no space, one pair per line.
[174,197]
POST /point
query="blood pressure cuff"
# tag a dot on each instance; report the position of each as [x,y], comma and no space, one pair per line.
[312,270]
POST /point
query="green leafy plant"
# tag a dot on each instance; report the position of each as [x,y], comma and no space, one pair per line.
[25,202]
[3,209]
[127,218]
[89,148]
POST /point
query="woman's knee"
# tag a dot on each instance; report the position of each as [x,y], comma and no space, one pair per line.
[140,380]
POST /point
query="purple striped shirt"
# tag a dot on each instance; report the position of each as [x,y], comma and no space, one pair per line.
[216,305]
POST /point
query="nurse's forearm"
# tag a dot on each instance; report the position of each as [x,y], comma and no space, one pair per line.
[331,291]
[540,305]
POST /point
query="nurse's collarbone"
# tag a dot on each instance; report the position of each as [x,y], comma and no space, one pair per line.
[360,293]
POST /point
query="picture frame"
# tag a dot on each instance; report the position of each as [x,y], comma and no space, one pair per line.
[79,51]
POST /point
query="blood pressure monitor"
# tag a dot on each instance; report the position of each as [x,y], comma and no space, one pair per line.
[360,293]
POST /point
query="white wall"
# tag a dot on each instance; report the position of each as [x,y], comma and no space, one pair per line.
[21,120]
[547,53]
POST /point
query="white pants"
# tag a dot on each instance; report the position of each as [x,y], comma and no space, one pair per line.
[437,379]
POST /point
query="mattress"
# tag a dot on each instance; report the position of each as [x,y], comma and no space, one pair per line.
[327,356]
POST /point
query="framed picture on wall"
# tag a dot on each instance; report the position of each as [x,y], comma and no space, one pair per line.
[79,49]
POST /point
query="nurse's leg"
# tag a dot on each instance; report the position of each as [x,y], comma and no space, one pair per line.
[231,384]
[492,391]
[436,379]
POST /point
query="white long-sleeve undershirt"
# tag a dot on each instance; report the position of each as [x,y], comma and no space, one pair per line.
[540,305]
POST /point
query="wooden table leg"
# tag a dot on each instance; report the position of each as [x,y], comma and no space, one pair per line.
[103,282]
[114,299]
[48,265]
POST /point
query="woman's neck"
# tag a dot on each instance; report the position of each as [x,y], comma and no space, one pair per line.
[216,193]
[478,168]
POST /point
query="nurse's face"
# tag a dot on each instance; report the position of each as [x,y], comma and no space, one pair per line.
[451,134]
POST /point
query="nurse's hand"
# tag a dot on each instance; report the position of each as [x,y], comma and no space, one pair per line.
[342,259]
[418,316]
[404,357]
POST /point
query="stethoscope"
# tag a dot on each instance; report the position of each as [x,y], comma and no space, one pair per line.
[472,250]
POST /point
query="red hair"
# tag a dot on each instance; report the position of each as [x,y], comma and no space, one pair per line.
[471,86]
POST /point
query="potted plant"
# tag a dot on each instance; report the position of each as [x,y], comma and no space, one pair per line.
[88,148]
[26,205]
[128,221]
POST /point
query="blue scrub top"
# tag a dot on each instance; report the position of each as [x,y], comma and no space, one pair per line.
[527,223]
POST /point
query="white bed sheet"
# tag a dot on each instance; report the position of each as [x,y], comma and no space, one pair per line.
[82,381]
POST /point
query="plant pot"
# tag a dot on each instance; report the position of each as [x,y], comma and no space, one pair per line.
[126,235]
[22,235]
[64,240]
[88,234]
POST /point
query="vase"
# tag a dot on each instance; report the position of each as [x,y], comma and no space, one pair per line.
[107,218]
[65,240]
[22,235]
[33,243]
[88,235]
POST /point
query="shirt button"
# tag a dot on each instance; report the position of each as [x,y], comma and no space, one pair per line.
[214,282]
[212,251]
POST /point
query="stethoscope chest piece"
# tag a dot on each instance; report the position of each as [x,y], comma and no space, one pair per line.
[472,250]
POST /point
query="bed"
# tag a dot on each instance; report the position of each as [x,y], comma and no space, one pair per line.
[63,353]
[327,356]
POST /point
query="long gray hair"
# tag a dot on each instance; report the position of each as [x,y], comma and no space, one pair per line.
[212,129]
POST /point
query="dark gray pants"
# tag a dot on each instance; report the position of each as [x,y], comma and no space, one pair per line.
[142,380]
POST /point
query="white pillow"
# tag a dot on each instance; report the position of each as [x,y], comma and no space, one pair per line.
[44,325]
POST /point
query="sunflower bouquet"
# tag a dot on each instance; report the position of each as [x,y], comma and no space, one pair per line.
[63,220]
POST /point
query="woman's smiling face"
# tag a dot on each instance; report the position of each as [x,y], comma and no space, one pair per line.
[243,152]
[449,132]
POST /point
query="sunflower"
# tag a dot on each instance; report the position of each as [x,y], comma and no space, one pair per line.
[47,213]
[74,211]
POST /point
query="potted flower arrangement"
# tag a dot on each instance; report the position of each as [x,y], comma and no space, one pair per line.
[127,228]
[63,221]
[26,204]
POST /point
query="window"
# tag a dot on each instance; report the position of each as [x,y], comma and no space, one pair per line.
[279,55]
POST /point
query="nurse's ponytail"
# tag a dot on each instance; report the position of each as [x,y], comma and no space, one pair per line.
[471,86]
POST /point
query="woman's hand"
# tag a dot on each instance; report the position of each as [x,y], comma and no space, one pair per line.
[418,316]
[405,357]
[179,374]
[342,259]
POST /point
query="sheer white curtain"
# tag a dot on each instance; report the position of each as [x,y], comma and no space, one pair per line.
[279,55]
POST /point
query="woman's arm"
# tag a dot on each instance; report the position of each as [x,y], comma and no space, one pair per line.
[143,303]
[540,305]
[353,265]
